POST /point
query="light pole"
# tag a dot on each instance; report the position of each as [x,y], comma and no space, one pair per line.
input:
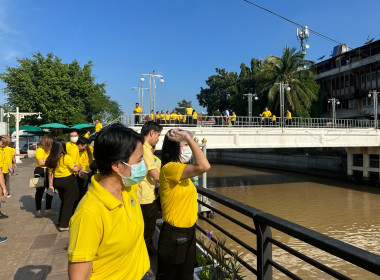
[334,101]
[19,116]
[141,96]
[282,100]
[250,96]
[374,93]
[152,87]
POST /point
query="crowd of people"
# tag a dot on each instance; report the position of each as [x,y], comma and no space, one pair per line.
[267,118]
[112,190]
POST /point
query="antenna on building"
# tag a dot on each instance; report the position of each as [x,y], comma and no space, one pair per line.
[322,57]
[369,40]
[303,36]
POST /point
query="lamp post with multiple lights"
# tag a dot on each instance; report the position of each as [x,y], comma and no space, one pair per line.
[250,97]
[374,94]
[282,100]
[334,101]
[152,88]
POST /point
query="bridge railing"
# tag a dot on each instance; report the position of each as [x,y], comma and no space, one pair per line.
[261,230]
[244,121]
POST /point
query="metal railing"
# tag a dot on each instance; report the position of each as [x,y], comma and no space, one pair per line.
[243,121]
[263,224]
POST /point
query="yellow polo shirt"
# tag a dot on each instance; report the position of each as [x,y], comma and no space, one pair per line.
[41,154]
[195,116]
[178,198]
[110,233]
[64,167]
[288,115]
[84,160]
[233,119]
[9,153]
[137,111]
[157,116]
[1,166]
[173,116]
[189,111]
[86,135]
[162,116]
[5,161]
[184,119]
[98,126]
[167,117]
[274,118]
[145,192]
[73,150]
[266,114]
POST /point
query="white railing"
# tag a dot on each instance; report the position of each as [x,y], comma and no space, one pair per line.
[243,121]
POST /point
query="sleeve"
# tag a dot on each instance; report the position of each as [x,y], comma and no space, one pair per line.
[39,154]
[69,161]
[149,159]
[82,246]
[172,171]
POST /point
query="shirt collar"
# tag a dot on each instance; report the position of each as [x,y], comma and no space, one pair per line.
[102,194]
[146,144]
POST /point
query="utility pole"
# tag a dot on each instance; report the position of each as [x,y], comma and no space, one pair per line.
[250,97]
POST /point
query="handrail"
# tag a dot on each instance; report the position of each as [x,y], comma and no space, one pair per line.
[264,221]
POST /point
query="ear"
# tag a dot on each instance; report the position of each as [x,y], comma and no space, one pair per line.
[116,166]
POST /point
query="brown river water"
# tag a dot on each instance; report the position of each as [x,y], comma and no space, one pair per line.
[348,212]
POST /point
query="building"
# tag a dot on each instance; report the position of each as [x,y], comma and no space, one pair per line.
[348,76]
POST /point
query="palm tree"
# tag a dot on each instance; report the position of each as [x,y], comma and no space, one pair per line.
[289,69]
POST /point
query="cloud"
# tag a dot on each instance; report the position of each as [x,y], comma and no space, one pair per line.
[10,55]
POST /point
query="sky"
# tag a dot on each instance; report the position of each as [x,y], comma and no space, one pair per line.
[182,40]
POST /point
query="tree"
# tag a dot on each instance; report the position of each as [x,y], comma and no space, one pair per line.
[290,70]
[63,92]
[182,105]
[221,88]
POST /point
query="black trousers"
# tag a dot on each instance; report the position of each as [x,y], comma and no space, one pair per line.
[176,253]
[82,187]
[6,180]
[42,172]
[137,119]
[68,193]
[150,215]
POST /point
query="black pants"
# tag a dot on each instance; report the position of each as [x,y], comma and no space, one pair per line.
[6,180]
[68,193]
[42,172]
[82,187]
[176,253]
[137,119]
[150,214]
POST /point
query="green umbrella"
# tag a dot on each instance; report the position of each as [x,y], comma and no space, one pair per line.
[28,128]
[82,126]
[54,125]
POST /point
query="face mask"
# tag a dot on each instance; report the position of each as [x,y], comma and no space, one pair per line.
[138,172]
[74,139]
[186,154]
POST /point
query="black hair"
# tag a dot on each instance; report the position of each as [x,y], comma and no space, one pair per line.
[170,150]
[58,149]
[82,141]
[71,131]
[150,125]
[114,143]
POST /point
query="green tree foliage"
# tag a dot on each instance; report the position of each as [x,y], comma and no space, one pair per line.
[63,92]
[289,68]
[182,105]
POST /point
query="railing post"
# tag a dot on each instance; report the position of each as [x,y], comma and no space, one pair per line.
[264,252]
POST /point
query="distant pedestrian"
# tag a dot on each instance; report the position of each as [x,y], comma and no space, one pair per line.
[189,114]
[274,120]
[195,118]
[288,120]
[266,116]
[218,117]
[3,188]
[98,125]
[137,111]
[233,119]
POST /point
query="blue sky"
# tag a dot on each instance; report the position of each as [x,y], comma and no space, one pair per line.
[182,40]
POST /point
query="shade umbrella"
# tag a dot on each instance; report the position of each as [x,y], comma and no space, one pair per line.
[82,126]
[54,125]
[29,128]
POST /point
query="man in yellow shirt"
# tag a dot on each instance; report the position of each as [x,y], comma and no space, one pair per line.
[3,188]
[146,191]
[162,117]
[72,148]
[6,163]
[11,161]
[189,114]
[158,120]
[233,118]
[265,116]
[195,117]
[87,134]
[173,117]
[98,125]
[288,120]
[137,111]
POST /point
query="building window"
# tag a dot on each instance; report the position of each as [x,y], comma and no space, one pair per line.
[373,76]
[352,104]
[363,80]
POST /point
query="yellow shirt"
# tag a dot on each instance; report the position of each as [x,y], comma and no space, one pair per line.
[137,111]
[195,116]
[110,233]
[189,111]
[157,116]
[84,160]
[98,126]
[5,161]
[73,150]
[288,115]
[184,119]
[266,114]
[2,161]
[145,192]
[152,117]
[87,134]
[173,116]
[41,154]
[162,116]
[167,117]
[233,119]
[64,167]
[180,117]
[274,118]
[178,198]
[9,153]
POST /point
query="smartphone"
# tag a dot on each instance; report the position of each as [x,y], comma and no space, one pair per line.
[181,240]
[50,192]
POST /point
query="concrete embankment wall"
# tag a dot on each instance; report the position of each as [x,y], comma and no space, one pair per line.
[327,166]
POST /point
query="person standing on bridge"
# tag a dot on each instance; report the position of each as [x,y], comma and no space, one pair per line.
[218,117]
[288,120]
[233,119]
[178,195]
[137,111]
[98,125]
[266,116]
[151,132]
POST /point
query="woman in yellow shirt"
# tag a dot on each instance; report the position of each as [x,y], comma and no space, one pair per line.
[176,244]
[41,155]
[107,230]
[63,166]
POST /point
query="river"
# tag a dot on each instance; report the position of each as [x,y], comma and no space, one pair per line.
[338,209]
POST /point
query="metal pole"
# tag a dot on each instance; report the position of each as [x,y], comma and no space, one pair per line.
[154,94]
[375,107]
[17,135]
[282,103]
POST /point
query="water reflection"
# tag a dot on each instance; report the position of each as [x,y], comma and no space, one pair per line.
[338,209]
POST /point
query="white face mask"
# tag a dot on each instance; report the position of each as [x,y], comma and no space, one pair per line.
[74,139]
[185,154]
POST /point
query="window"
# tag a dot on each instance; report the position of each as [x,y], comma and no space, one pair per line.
[364,102]
[352,104]
[362,78]
[373,76]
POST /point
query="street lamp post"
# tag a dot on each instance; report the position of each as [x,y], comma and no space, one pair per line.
[19,116]
[334,101]
[141,96]
[152,87]
[282,100]
[374,93]
[250,97]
